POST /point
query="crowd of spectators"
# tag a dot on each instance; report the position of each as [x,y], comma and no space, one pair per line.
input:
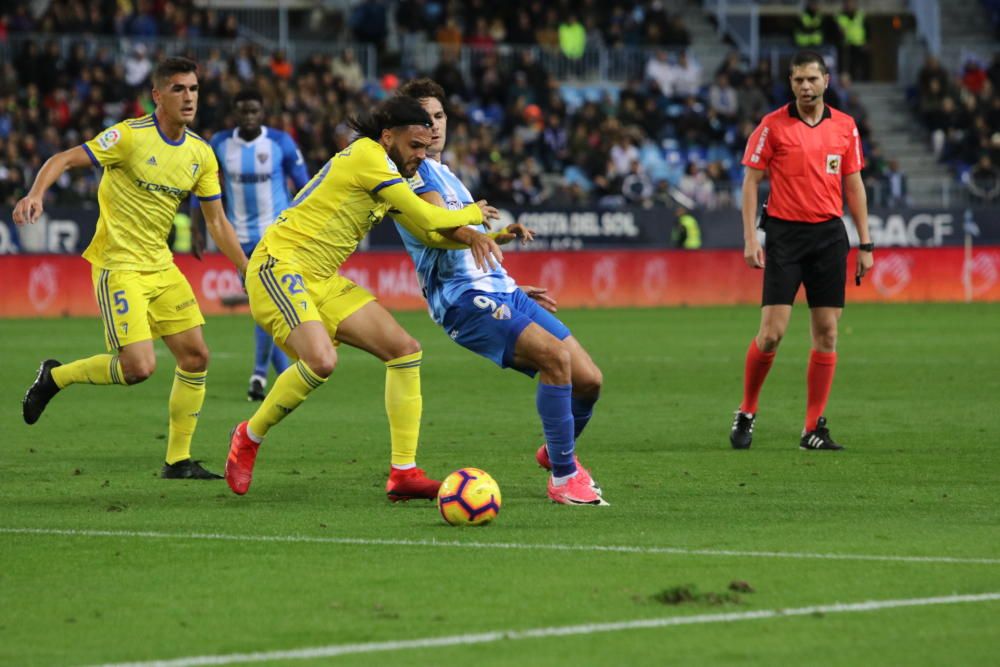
[139,19]
[517,134]
[962,113]
[568,26]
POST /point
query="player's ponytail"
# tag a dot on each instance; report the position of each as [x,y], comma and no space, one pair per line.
[393,112]
[366,125]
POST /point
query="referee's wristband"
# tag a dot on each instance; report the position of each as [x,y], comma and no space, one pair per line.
[867,247]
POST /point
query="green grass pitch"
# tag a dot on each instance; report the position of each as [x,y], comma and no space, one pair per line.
[916,401]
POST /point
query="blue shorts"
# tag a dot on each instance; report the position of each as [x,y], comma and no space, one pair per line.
[489,323]
[248,248]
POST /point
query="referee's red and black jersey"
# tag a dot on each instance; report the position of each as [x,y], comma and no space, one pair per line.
[805,162]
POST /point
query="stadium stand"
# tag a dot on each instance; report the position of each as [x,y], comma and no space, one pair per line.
[537,124]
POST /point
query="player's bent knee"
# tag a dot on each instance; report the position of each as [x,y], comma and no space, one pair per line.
[589,383]
[556,360]
[195,361]
[322,364]
[138,371]
[405,347]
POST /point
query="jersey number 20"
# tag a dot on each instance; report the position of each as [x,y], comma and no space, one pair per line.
[293,283]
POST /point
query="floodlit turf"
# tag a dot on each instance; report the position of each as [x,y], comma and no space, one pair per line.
[915,402]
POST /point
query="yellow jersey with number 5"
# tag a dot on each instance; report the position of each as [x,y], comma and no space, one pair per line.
[146,177]
[342,202]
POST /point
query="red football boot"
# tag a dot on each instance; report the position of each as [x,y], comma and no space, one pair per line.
[239,464]
[410,484]
[542,456]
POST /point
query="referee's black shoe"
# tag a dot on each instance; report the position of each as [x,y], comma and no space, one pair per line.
[40,392]
[819,437]
[741,435]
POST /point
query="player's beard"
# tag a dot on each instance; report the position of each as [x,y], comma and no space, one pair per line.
[404,169]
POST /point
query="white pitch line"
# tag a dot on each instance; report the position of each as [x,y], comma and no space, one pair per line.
[451,544]
[335,650]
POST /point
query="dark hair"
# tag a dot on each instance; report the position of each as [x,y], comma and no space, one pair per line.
[418,89]
[248,95]
[167,67]
[807,58]
[396,111]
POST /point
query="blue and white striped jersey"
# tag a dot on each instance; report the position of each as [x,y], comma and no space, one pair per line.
[254,178]
[446,274]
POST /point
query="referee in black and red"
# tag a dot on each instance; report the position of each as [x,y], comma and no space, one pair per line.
[808,149]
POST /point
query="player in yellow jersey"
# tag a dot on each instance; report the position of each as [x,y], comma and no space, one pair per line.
[297,294]
[150,164]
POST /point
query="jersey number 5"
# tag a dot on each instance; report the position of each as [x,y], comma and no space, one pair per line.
[121,304]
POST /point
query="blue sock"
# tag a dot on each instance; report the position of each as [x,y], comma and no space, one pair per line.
[553,402]
[583,409]
[262,351]
[279,359]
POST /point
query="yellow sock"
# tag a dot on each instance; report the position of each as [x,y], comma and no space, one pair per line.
[186,399]
[99,369]
[289,390]
[403,405]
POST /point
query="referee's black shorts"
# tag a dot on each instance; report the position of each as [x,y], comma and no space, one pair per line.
[802,253]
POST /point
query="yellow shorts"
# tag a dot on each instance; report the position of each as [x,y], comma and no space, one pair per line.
[282,297]
[140,305]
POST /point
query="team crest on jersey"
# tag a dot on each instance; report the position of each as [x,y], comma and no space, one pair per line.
[262,157]
[833,164]
[109,139]
[392,165]
[502,312]
[415,182]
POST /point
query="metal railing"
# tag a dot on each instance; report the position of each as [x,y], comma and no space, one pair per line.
[928,16]
[597,65]
[740,21]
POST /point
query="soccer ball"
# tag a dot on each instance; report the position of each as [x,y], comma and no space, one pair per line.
[469,497]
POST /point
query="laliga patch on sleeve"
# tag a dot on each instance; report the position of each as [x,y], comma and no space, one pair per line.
[109,139]
[392,165]
[833,164]
[416,181]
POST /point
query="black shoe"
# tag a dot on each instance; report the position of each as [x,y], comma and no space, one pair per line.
[256,391]
[819,438]
[40,392]
[741,434]
[186,469]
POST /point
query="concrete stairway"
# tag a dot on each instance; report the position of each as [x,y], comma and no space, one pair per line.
[965,26]
[901,137]
[706,45]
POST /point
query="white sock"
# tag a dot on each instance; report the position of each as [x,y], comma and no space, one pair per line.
[560,481]
[404,466]
[253,436]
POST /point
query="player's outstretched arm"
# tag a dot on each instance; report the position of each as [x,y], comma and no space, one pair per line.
[30,207]
[430,217]
[223,234]
[514,231]
[486,252]
[753,253]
